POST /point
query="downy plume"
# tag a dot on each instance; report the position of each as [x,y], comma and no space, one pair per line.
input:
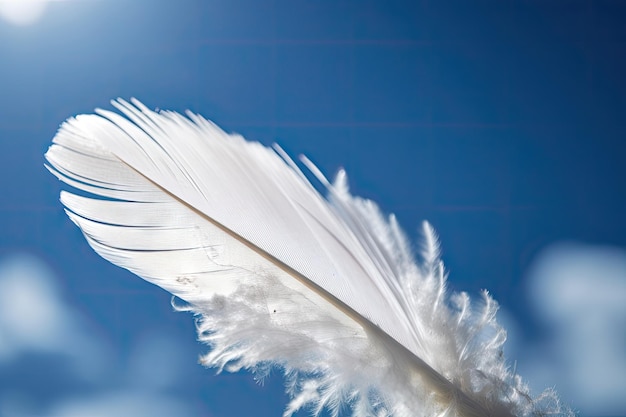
[325,288]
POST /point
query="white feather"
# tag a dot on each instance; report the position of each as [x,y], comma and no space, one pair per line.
[327,289]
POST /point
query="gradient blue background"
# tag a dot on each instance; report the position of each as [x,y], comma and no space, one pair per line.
[501,122]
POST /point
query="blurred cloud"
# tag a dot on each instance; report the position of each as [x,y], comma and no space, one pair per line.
[36,322]
[580,293]
[109,404]
[33,318]
[122,404]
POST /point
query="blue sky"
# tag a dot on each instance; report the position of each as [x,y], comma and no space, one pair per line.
[501,122]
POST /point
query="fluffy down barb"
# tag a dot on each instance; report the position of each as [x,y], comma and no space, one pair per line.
[326,289]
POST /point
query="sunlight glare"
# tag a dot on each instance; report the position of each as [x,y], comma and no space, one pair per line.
[22,12]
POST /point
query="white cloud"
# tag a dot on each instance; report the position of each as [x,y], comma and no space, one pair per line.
[125,403]
[580,292]
[35,320]
[122,404]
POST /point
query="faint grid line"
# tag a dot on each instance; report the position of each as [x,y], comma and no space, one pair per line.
[395,42]
[29,207]
[113,291]
[468,208]
[305,123]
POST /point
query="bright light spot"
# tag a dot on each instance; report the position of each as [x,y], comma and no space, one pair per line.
[22,12]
